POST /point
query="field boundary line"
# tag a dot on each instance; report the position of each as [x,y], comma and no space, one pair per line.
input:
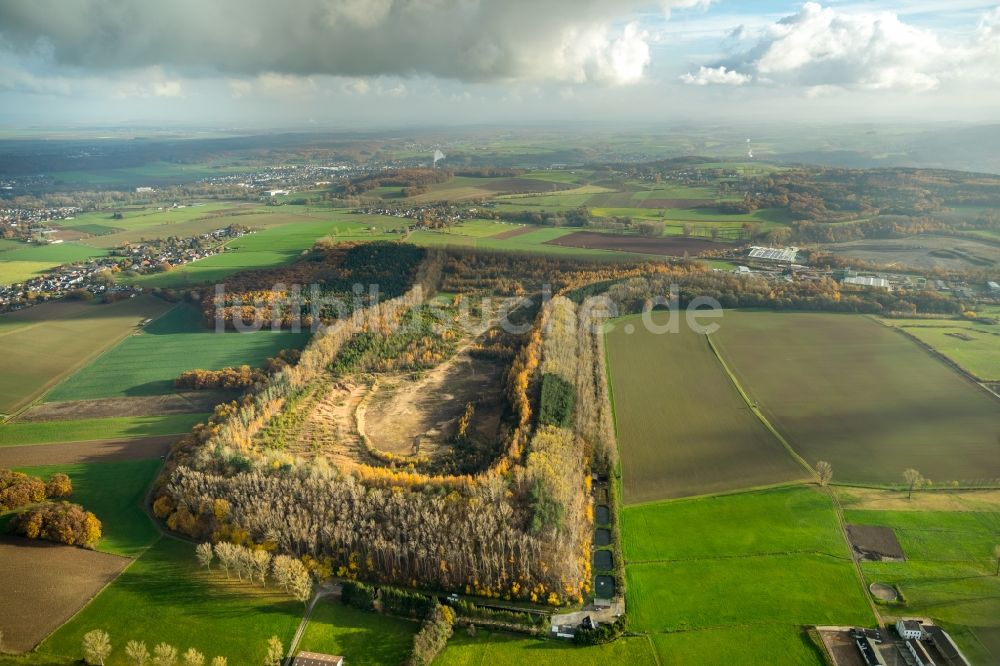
[63,376]
[966,374]
[724,493]
[747,556]
[756,410]
[838,509]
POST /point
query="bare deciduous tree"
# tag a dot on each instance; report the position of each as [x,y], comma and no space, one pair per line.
[914,481]
[824,471]
[205,554]
[96,647]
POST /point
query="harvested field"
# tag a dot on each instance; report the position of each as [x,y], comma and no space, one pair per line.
[863,397]
[683,428]
[85,452]
[178,403]
[670,247]
[513,233]
[522,185]
[874,543]
[54,340]
[34,601]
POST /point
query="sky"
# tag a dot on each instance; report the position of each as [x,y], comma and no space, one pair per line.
[371,63]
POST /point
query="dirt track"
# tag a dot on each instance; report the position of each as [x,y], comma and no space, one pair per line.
[34,601]
[85,452]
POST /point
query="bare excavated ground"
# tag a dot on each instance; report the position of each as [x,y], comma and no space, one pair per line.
[153,405]
[43,584]
[875,543]
[69,453]
[408,416]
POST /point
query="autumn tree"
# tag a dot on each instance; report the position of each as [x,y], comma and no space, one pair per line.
[137,653]
[58,485]
[824,471]
[205,554]
[914,481]
[164,655]
[193,658]
[220,661]
[96,647]
[275,652]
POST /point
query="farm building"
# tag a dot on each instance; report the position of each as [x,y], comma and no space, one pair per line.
[317,659]
[870,654]
[871,282]
[946,646]
[993,286]
[909,629]
[778,255]
[920,654]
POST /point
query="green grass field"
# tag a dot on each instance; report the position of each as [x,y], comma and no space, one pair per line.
[950,571]
[114,492]
[362,637]
[147,364]
[165,596]
[746,559]
[848,390]
[533,242]
[683,428]
[53,340]
[276,245]
[737,645]
[497,649]
[756,589]
[124,427]
[974,348]
[785,520]
[25,261]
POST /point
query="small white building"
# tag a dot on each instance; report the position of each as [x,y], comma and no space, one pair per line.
[909,629]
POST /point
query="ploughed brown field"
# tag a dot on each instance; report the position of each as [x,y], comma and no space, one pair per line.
[35,602]
[71,453]
[513,233]
[150,405]
[670,247]
[875,543]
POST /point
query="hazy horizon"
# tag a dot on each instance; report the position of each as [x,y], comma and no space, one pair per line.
[398,63]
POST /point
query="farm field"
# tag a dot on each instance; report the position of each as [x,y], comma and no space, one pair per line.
[672,247]
[735,577]
[114,492]
[369,638]
[950,571]
[93,451]
[122,427]
[848,390]
[275,246]
[165,596]
[55,339]
[973,347]
[32,606]
[923,252]
[147,363]
[745,562]
[535,241]
[25,260]
[683,428]
[793,519]
[494,648]
[737,645]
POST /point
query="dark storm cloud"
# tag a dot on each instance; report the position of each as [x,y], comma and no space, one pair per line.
[467,40]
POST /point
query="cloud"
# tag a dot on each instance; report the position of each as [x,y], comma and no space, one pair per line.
[716,76]
[573,41]
[824,49]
